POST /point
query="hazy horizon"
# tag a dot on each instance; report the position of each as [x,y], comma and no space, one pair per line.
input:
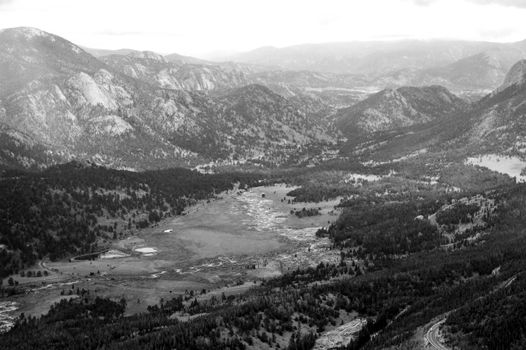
[204,28]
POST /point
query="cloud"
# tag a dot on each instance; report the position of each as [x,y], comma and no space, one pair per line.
[509,3]
[118,32]
[136,33]
[424,2]
[513,3]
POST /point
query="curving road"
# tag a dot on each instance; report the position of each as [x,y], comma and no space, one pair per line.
[508,282]
[432,336]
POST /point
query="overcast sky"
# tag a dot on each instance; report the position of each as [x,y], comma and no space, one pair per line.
[197,27]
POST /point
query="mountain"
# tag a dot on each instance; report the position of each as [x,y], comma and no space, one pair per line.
[19,150]
[515,76]
[398,108]
[103,116]
[375,58]
[468,69]
[174,57]
[494,125]
[478,74]
[181,59]
[60,101]
[258,122]
[471,77]
[499,120]
[336,90]
[27,54]
[174,74]
[107,52]
[481,71]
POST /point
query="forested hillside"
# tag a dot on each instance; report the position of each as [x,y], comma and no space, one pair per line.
[331,196]
[74,208]
[395,292]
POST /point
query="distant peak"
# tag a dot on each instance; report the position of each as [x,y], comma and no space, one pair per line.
[29,36]
[147,55]
[27,32]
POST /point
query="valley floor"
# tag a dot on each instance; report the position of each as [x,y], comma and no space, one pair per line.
[226,245]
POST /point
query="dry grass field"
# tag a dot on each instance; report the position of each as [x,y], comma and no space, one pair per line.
[217,245]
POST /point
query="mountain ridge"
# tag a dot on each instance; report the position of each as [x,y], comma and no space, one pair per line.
[398,108]
[349,56]
[495,124]
[90,109]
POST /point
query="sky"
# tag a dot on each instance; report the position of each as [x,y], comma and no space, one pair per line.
[205,28]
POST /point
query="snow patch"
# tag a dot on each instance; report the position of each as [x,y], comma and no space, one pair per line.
[114,254]
[512,166]
[146,250]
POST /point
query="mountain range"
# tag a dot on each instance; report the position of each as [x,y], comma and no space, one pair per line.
[493,125]
[172,73]
[138,110]
[141,110]
[378,57]
[107,158]
[457,65]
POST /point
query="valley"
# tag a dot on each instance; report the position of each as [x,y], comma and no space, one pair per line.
[241,237]
[365,195]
